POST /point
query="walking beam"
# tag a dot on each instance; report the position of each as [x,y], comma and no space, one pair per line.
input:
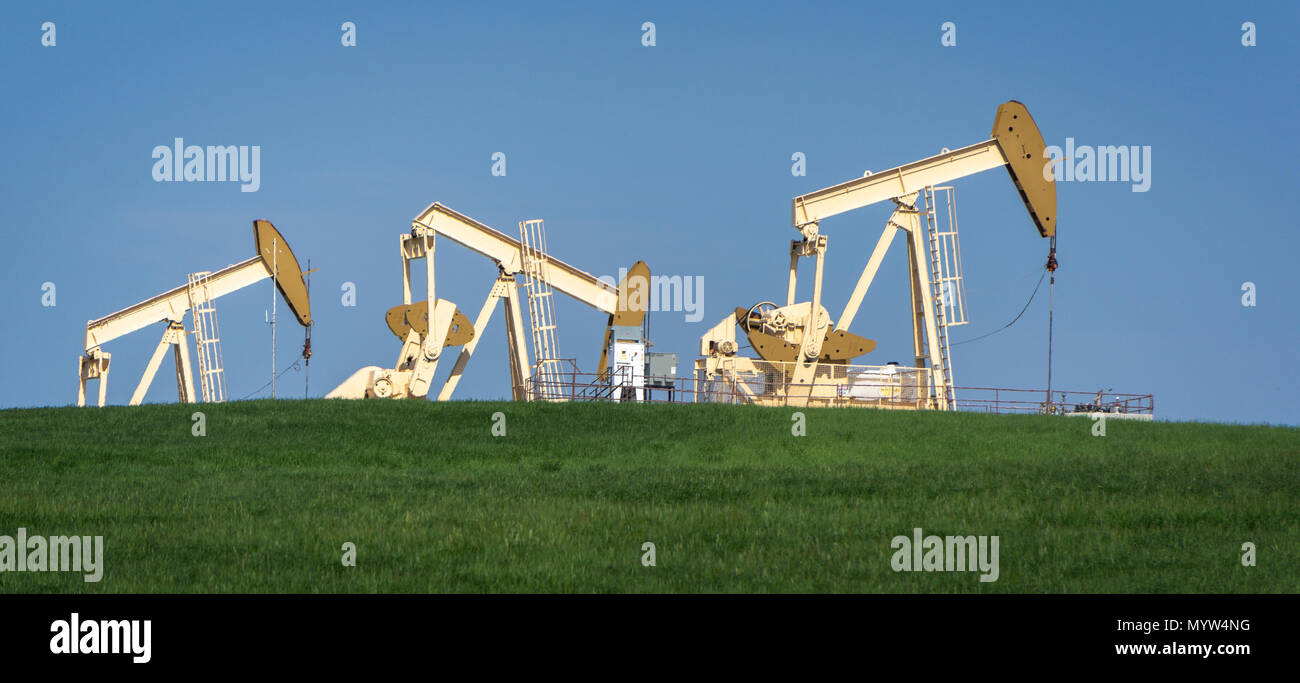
[1015,143]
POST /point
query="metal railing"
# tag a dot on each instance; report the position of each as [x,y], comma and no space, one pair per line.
[881,387]
[558,379]
[1031,401]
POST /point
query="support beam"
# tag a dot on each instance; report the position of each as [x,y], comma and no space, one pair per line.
[905,203]
[429,244]
[402,243]
[868,275]
[794,272]
[480,326]
[918,309]
[103,383]
[164,345]
[921,278]
[520,369]
[184,378]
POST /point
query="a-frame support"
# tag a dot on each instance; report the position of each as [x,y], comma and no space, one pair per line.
[925,332]
[500,288]
[174,338]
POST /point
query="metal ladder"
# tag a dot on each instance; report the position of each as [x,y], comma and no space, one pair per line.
[541,313]
[945,282]
[207,342]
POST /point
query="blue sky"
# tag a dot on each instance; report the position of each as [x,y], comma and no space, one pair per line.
[678,154]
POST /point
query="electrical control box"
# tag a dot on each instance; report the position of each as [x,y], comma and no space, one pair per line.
[661,370]
[629,368]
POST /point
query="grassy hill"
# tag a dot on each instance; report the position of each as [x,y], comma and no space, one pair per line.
[564,501]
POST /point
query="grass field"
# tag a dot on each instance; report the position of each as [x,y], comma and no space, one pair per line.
[563,502]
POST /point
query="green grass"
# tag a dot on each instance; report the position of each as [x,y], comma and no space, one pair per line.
[563,502]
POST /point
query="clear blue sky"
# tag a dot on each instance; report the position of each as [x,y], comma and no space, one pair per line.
[678,154]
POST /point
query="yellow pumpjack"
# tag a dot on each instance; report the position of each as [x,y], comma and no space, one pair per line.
[803,355]
[274,259]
